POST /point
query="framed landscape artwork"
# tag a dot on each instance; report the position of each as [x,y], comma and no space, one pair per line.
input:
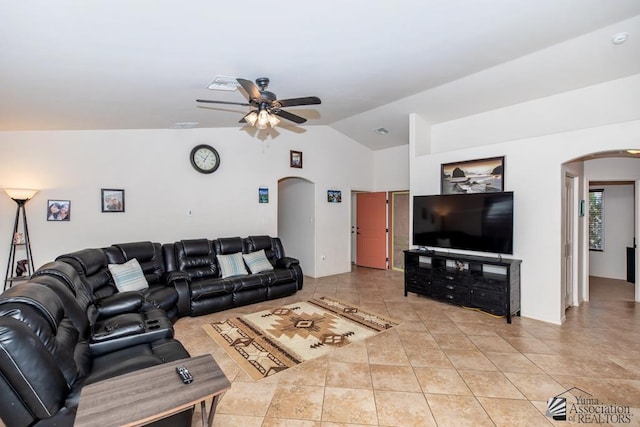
[473,176]
[334,196]
[263,195]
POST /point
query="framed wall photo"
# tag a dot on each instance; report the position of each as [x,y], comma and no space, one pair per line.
[263,195]
[295,159]
[334,196]
[112,200]
[58,210]
[473,176]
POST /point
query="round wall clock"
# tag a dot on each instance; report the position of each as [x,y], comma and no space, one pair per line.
[204,158]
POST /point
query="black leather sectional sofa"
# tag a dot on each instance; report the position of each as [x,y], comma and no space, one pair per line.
[69,326]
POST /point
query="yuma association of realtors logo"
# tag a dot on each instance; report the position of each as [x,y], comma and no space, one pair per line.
[587,410]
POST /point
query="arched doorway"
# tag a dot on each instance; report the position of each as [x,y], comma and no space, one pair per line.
[615,169]
[296,220]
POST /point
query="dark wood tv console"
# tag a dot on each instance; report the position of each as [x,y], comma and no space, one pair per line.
[489,284]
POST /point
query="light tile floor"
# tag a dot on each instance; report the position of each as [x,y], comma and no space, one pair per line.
[443,366]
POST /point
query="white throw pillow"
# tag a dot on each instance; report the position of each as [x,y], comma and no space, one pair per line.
[257,261]
[128,276]
[231,265]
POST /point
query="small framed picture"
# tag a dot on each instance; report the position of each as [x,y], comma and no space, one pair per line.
[334,196]
[295,159]
[58,210]
[263,195]
[112,200]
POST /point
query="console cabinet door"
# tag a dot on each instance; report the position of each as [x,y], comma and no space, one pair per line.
[492,301]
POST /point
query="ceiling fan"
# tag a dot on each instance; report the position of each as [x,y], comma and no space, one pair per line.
[267,108]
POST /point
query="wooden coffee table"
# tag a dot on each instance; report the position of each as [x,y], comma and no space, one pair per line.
[153,393]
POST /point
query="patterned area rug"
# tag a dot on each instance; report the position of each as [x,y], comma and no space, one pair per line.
[270,341]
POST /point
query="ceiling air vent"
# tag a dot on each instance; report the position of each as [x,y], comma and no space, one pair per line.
[184,125]
[223,83]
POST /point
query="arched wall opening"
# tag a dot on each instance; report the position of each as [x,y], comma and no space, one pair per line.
[296,220]
[618,172]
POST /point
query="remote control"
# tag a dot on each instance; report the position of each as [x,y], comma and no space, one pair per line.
[184,374]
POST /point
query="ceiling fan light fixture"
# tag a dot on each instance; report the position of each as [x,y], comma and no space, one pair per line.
[267,110]
[251,118]
[263,119]
[273,120]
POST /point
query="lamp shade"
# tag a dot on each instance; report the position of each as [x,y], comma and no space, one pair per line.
[263,119]
[273,120]
[20,193]
[251,118]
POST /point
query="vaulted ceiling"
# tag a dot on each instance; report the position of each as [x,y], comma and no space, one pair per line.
[141,64]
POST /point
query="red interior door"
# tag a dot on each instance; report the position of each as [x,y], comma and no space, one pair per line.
[371,230]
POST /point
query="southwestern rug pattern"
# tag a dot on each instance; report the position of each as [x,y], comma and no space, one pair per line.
[270,341]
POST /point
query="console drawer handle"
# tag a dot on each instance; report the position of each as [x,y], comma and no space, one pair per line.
[450,287]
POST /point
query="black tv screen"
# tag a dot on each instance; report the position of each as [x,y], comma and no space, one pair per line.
[480,222]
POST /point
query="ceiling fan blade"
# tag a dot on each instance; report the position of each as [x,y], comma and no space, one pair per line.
[292,102]
[288,116]
[251,88]
[223,102]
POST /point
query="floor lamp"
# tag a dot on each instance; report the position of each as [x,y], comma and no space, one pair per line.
[19,240]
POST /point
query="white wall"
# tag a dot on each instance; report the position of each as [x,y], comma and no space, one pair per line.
[618,232]
[614,169]
[611,102]
[391,168]
[533,171]
[161,186]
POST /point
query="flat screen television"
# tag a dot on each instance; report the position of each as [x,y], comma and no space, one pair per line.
[480,222]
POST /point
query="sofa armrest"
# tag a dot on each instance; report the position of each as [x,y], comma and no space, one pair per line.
[174,276]
[184,297]
[119,303]
[286,262]
[181,280]
[117,327]
[127,330]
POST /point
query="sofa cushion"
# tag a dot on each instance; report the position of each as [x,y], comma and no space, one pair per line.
[276,277]
[211,287]
[228,245]
[231,265]
[257,262]
[128,276]
[148,254]
[160,296]
[91,266]
[196,257]
[255,243]
[243,283]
